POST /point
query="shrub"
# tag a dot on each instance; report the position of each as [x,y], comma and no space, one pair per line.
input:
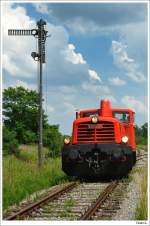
[141,140]
[10,143]
[53,139]
[141,134]
[29,137]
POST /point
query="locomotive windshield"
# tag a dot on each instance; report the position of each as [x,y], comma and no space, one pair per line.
[90,114]
[122,116]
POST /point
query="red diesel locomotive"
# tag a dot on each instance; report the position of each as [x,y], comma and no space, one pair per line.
[102,144]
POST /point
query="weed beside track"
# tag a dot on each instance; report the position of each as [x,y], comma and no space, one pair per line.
[22,177]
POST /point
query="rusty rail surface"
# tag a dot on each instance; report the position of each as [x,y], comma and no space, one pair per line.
[25,211]
[141,156]
[102,197]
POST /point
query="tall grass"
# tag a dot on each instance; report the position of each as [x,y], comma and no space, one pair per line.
[142,208]
[29,153]
[22,177]
[142,146]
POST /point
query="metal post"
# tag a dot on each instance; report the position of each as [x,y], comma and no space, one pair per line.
[41,47]
[41,34]
[40,144]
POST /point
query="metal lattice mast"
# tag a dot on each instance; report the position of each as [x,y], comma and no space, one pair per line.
[41,34]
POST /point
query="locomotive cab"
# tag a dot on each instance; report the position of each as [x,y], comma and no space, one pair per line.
[103,143]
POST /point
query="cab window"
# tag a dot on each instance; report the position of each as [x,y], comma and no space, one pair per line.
[90,114]
[122,116]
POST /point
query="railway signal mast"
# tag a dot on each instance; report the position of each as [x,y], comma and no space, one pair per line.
[41,34]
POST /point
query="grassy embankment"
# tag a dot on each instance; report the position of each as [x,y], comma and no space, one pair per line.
[142,208]
[142,146]
[22,177]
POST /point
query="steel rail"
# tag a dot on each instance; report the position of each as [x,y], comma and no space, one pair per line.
[141,156]
[102,197]
[25,211]
[145,154]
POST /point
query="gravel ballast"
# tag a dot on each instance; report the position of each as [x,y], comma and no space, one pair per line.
[129,204]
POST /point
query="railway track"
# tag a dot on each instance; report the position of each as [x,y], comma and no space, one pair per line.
[88,215]
[78,201]
[38,204]
[141,156]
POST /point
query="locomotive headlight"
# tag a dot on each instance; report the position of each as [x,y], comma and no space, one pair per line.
[125,139]
[94,120]
[66,140]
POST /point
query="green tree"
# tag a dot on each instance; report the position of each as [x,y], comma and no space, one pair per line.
[53,140]
[21,113]
[141,134]
[20,116]
[144,130]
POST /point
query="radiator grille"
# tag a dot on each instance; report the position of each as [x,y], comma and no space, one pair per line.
[101,132]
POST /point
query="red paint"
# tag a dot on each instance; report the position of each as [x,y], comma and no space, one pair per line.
[110,127]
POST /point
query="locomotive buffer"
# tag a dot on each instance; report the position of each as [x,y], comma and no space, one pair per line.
[41,34]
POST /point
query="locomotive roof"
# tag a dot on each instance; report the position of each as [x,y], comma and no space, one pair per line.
[113,109]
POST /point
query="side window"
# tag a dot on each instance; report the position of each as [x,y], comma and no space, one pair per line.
[122,116]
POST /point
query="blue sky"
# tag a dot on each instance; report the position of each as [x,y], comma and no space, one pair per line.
[96,51]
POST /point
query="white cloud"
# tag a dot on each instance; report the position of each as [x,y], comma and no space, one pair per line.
[116,81]
[50,109]
[72,56]
[93,75]
[96,89]
[41,8]
[122,61]
[69,108]
[18,61]
[17,82]
[17,49]
[67,89]
[135,104]
[10,66]
[81,26]
[120,53]
[136,38]
[99,91]
[83,19]
[25,85]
